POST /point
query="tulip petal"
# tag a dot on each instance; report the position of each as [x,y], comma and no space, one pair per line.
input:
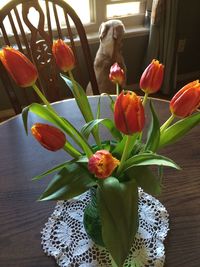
[21,69]
[152,77]
[129,113]
[102,164]
[48,136]
[117,74]
[64,55]
[186,100]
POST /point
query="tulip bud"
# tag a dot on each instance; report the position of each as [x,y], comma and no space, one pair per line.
[186,100]
[21,69]
[48,136]
[152,77]
[102,164]
[129,113]
[116,74]
[64,55]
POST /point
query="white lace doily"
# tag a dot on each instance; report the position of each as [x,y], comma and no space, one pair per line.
[64,236]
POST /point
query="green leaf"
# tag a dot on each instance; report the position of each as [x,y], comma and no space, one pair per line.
[145,159]
[153,137]
[80,140]
[62,123]
[179,129]
[109,124]
[118,203]
[44,113]
[71,181]
[145,179]
[98,108]
[82,159]
[96,129]
[108,145]
[81,98]
[82,102]
[54,169]
[25,118]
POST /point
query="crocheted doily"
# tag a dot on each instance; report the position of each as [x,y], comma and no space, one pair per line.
[64,236]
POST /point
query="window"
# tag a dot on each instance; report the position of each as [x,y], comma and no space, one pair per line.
[132,13]
[93,12]
[83,12]
[3,2]
[122,9]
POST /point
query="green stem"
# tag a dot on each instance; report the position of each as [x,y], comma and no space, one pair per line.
[42,97]
[71,150]
[145,99]
[125,153]
[167,123]
[143,103]
[117,89]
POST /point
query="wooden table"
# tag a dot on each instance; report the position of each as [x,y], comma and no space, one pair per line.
[22,217]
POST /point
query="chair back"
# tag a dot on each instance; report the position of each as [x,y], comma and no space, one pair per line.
[31,26]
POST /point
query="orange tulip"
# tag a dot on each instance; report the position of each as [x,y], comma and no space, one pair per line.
[48,136]
[64,55]
[21,69]
[102,164]
[129,113]
[186,100]
[152,77]
[116,74]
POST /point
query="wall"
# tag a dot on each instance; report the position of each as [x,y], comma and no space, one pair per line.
[188,40]
[134,49]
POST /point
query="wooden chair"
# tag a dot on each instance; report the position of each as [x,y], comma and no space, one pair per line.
[34,38]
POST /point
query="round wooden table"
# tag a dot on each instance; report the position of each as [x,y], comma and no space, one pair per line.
[22,217]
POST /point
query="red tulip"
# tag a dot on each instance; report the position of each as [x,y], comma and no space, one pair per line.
[129,113]
[116,74]
[152,77]
[48,136]
[186,100]
[19,67]
[64,55]
[102,164]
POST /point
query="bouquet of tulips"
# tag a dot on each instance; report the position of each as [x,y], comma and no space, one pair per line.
[114,168]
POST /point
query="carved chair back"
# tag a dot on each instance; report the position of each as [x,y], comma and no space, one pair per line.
[33,35]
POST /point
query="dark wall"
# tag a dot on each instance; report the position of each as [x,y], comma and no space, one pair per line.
[134,53]
[133,50]
[188,36]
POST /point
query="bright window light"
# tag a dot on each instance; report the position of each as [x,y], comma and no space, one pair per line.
[3,2]
[91,12]
[122,9]
[82,9]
